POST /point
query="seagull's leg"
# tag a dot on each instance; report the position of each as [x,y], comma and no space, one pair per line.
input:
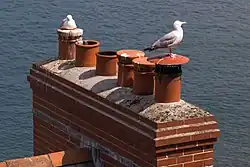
[170,52]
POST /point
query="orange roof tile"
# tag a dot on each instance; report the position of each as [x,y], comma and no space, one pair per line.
[56,159]
[41,161]
[3,164]
[69,157]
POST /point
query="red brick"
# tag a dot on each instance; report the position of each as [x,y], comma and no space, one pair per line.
[122,132]
[58,113]
[174,153]
[215,134]
[94,133]
[196,127]
[40,148]
[60,133]
[177,165]
[53,138]
[47,104]
[194,120]
[144,145]
[47,145]
[166,161]
[70,145]
[62,142]
[110,161]
[205,155]
[76,141]
[166,148]
[174,140]
[194,164]
[120,150]
[41,108]
[171,154]
[187,129]
[207,142]
[79,122]
[193,150]
[184,159]
[209,162]
[166,133]
[186,145]
[107,164]
[201,136]
[39,122]
[169,124]
[59,118]
[74,126]
[46,135]
[161,156]
[113,140]
[208,126]
[37,151]
[208,148]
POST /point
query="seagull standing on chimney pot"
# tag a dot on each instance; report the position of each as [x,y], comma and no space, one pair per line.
[68,23]
[170,40]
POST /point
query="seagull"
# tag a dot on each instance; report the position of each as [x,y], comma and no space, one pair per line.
[68,23]
[170,40]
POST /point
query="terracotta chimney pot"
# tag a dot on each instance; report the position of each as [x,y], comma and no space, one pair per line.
[143,76]
[126,67]
[168,78]
[66,43]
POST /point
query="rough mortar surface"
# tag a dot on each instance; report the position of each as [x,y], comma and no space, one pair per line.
[105,86]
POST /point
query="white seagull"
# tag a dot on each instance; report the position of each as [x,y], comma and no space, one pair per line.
[170,40]
[68,23]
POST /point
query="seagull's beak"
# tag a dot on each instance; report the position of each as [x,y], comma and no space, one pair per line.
[184,22]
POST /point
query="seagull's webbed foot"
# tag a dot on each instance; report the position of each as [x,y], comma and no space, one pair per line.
[172,55]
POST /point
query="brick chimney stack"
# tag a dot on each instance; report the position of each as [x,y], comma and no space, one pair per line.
[75,108]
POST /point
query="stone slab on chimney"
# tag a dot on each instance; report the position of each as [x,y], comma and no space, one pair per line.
[73,108]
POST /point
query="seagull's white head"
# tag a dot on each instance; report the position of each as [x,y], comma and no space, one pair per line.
[178,23]
[69,17]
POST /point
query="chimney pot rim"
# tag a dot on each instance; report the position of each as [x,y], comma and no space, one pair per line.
[167,60]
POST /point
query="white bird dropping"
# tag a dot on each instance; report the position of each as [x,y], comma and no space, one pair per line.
[68,23]
[170,40]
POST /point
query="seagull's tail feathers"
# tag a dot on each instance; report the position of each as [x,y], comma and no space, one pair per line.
[149,49]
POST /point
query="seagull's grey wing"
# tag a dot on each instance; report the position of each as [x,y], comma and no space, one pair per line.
[63,21]
[166,40]
[168,37]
